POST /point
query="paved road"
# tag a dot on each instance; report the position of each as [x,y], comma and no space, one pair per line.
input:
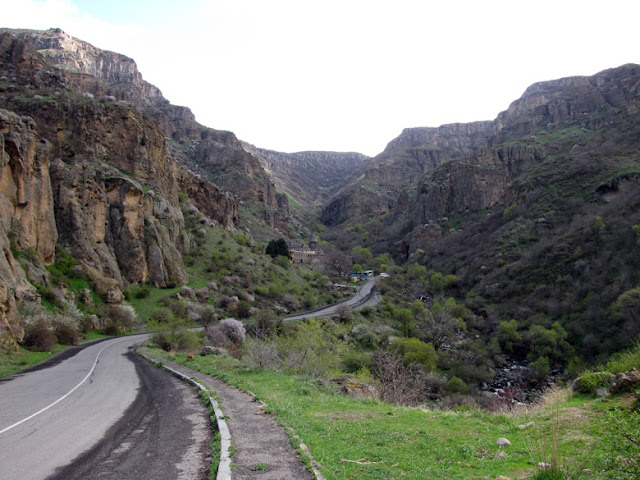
[100,412]
[364,297]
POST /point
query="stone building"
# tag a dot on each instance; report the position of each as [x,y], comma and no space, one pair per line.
[311,255]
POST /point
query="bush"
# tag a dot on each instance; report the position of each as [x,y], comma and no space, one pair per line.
[66,330]
[355,361]
[261,354]
[315,348]
[414,350]
[457,385]
[404,384]
[207,315]
[233,329]
[174,335]
[39,336]
[215,336]
[119,318]
[621,444]
[540,369]
[265,323]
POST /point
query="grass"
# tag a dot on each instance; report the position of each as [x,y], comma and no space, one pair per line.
[14,362]
[368,439]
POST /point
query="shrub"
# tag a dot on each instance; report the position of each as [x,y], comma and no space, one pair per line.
[621,444]
[261,354]
[207,316]
[215,336]
[315,348]
[457,385]
[590,382]
[233,329]
[414,350]
[174,335]
[39,336]
[265,324]
[119,318]
[404,384]
[354,361]
[66,330]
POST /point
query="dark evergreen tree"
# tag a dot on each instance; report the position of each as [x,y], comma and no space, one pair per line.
[277,247]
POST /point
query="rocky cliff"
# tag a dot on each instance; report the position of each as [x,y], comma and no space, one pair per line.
[215,155]
[310,178]
[94,175]
[460,168]
[399,168]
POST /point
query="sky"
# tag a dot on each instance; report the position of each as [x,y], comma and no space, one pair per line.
[345,75]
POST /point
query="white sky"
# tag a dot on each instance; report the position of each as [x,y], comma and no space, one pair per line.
[345,75]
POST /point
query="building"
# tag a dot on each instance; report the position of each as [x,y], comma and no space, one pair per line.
[311,255]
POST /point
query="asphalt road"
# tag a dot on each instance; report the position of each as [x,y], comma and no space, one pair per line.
[364,297]
[102,413]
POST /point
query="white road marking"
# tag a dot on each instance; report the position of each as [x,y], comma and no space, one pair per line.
[95,363]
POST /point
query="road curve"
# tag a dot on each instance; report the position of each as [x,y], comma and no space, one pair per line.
[364,297]
[82,414]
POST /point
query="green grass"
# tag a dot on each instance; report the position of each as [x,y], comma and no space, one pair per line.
[14,362]
[144,306]
[391,441]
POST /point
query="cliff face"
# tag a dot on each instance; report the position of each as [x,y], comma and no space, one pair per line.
[460,168]
[399,168]
[93,175]
[476,183]
[26,207]
[217,156]
[310,177]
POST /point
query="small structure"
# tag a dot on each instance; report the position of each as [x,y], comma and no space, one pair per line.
[311,255]
[363,275]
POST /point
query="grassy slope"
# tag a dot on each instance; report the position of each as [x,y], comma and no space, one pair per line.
[412,443]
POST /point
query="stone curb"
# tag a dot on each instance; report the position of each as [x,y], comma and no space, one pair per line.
[224,467]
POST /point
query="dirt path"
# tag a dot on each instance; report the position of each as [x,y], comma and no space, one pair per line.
[262,448]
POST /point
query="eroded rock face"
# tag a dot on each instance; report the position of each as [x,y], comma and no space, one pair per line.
[26,205]
[475,183]
[217,156]
[25,185]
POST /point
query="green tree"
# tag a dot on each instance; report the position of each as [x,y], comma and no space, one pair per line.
[361,255]
[277,247]
[540,369]
[416,351]
[406,319]
[509,337]
[624,315]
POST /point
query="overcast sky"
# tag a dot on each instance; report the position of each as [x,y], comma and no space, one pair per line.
[345,75]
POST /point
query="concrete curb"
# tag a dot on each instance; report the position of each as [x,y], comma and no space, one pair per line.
[224,467]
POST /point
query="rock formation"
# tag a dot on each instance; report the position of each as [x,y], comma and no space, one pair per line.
[89,172]
[217,156]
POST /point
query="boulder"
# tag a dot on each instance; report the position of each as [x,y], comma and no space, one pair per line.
[209,350]
[114,296]
[202,294]
[626,381]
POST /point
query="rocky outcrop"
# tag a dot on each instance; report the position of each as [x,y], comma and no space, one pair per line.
[474,183]
[454,138]
[399,168]
[310,177]
[217,156]
[26,206]
[68,53]
[587,102]
[215,203]
[25,188]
